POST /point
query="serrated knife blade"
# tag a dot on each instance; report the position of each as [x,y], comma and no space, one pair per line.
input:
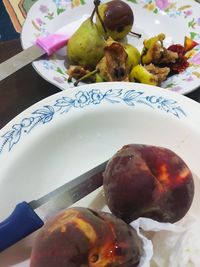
[29,217]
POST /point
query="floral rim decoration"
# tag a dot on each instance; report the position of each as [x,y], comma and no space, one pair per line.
[82,99]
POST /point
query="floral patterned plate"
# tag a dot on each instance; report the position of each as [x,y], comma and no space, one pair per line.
[70,132]
[176,19]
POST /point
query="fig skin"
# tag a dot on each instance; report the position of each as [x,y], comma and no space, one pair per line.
[118,19]
[148,181]
[82,237]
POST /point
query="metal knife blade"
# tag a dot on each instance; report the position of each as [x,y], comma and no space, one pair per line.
[20,60]
[24,220]
[44,45]
[69,193]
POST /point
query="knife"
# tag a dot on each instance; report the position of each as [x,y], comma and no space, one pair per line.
[29,217]
[44,45]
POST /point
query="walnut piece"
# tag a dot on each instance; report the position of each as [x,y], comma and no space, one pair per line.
[160,73]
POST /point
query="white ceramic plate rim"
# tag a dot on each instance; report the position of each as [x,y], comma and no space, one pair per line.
[100,94]
[43,116]
[182,83]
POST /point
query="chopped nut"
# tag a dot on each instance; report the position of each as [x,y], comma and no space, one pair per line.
[77,71]
[160,73]
[168,57]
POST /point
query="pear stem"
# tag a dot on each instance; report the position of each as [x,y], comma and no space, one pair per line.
[92,15]
[138,35]
[97,3]
[86,76]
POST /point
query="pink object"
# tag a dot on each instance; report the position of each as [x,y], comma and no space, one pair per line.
[52,42]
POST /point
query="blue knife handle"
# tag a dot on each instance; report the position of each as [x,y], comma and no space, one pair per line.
[22,222]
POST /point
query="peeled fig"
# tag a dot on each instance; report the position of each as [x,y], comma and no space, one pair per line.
[82,237]
[148,181]
[86,46]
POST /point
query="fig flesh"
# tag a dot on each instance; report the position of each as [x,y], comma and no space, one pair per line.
[83,237]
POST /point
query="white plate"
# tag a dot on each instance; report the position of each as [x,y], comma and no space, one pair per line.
[176,19]
[70,132]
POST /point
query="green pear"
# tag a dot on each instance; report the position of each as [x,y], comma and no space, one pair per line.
[102,9]
[140,74]
[134,57]
[99,78]
[86,46]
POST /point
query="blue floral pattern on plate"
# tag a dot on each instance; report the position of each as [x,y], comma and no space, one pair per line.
[82,99]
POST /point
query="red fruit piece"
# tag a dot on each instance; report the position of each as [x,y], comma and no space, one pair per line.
[177,48]
[181,63]
[148,181]
[179,66]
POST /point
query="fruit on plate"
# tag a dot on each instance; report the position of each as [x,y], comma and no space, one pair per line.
[140,74]
[148,181]
[181,63]
[149,74]
[113,66]
[86,46]
[117,17]
[83,237]
[189,44]
[133,56]
[152,48]
[96,53]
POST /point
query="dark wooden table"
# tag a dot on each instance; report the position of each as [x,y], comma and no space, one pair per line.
[26,87]
[21,89]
